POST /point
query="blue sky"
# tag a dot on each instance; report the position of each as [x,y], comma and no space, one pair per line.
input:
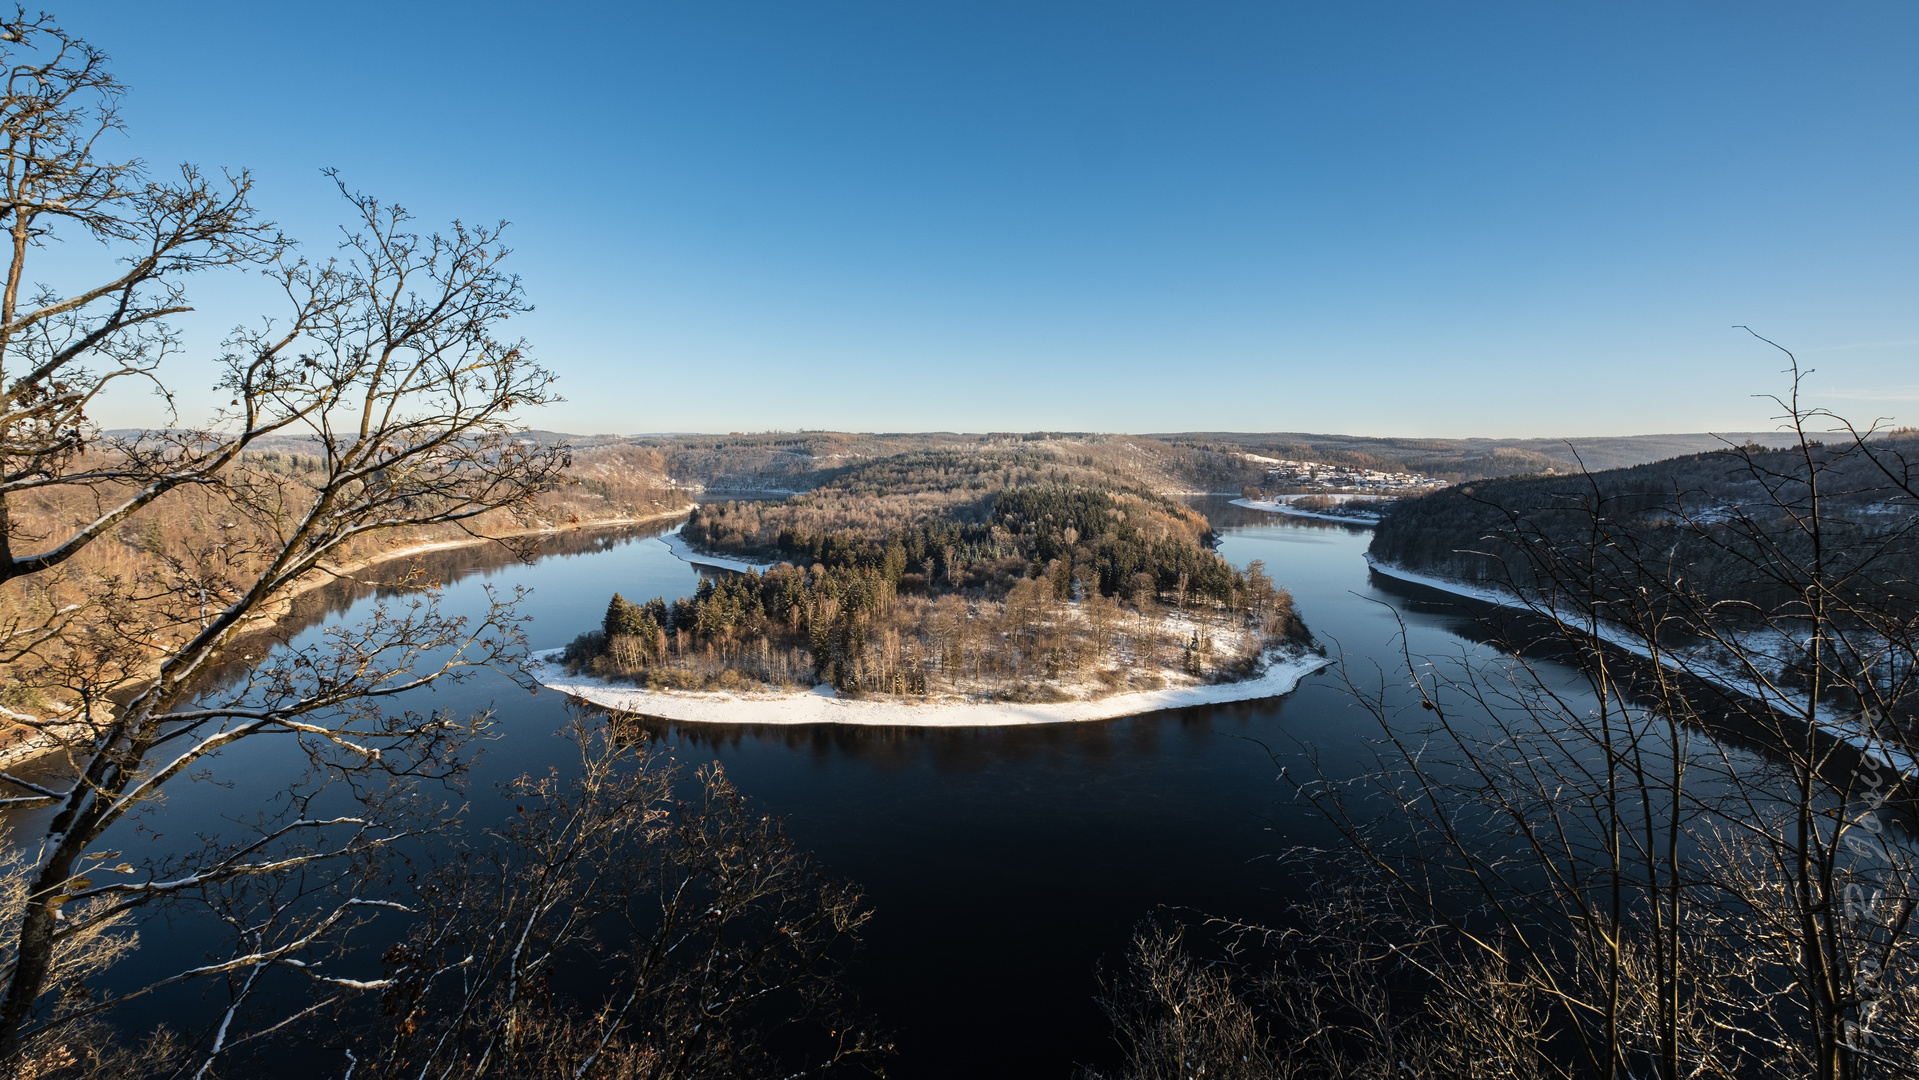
[1436,219]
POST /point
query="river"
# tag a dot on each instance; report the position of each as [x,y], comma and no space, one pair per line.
[1005,864]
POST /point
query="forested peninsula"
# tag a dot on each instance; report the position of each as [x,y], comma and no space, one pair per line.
[1003,578]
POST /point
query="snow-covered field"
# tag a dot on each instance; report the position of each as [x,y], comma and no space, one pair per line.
[1844,726]
[821,706]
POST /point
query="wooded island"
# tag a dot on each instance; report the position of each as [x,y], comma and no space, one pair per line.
[1015,576]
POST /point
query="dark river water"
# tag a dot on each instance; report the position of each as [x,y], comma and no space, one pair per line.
[1005,865]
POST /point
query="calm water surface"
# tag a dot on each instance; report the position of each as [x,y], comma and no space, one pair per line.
[1005,864]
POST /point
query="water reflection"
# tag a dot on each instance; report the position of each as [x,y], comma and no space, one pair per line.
[1004,863]
[468,564]
[965,749]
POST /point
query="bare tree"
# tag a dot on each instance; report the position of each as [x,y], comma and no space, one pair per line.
[1355,988]
[387,364]
[59,351]
[1666,830]
[1695,854]
[1177,1017]
[615,928]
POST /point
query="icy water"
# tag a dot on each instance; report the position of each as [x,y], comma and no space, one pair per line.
[1005,864]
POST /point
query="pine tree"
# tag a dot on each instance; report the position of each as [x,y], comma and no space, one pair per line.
[623,618]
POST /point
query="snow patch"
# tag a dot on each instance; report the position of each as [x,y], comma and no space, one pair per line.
[1841,725]
[822,706]
[685,553]
[1283,505]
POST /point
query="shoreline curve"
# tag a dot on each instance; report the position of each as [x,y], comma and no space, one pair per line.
[821,706]
[53,734]
[1275,506]
[1841,725]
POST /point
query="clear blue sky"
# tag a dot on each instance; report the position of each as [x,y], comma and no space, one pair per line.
[1413,218]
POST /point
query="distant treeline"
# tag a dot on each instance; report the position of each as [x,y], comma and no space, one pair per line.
[812,460]
[1463,459]
[1101,539]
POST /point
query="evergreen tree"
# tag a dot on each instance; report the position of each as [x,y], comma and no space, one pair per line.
[624,618]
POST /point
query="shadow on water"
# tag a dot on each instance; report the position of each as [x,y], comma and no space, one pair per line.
[1739,725]
[962,749]
[402,576]
[1005,864]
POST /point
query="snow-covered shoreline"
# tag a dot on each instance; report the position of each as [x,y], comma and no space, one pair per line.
[1283,505]
[820,706]
[1840,725]
[684,552]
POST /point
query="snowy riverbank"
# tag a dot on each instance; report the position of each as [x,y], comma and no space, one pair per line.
[684,551]
[1843,726]
[821,706]
[1283,504]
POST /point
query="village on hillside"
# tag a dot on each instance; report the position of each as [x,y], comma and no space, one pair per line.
[1286,473]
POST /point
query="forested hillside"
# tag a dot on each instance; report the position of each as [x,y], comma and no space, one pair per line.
[1789,577]
[1471,459]
[783,462]
[1702,518]
[956,512]
[209,538]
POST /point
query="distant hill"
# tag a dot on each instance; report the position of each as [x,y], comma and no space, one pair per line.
[1679,510]
[1473,459]
[1192,461]
[1181,461]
